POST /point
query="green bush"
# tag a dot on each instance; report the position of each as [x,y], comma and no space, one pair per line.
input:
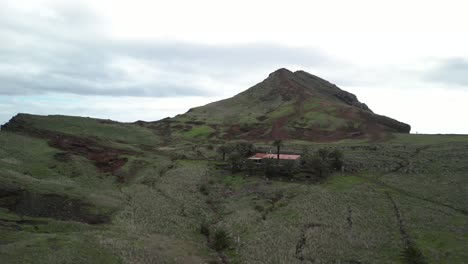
[412,255]
[204,189]
[320,167]
[323,154]
[221,240]
[205,229]
[223,150]
[236,161]
[244,148]
[289,168]
[323,162]
[251,167]
[336,159]
[269,168]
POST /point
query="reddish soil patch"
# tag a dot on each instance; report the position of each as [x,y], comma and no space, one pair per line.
[237,132]
[347,113]
[106,159]
[277,130]
[256,133]
[233,132]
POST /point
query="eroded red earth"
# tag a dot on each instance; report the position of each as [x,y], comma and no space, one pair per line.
[106,159]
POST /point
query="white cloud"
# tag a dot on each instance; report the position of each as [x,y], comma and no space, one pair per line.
[432,110]
[155,58]
[125,108]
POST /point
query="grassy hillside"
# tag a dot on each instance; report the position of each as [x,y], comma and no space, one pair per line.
[169,202]
[289,105]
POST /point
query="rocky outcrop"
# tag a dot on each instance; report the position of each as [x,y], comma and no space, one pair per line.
[389,124]
[351,99]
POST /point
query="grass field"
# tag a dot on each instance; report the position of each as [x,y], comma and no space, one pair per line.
[411,189]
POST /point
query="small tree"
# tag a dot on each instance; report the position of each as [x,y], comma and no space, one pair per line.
[323,153]
[250,166]
[236,160]
[244,148]
[319,166]
[323,161]
[268,168]
[278,143]
[223,149]
[336,159]
[290,168]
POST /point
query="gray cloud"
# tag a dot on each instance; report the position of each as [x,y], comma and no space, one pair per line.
[66,53]
[452,72]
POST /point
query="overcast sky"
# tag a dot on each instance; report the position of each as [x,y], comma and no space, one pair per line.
[146,60]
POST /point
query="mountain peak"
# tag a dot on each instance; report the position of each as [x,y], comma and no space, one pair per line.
[295,105]
[281,73]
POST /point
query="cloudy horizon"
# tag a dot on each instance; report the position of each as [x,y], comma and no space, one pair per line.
[146,60]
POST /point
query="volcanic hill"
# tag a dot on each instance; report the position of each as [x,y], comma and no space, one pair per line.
[288,105]
[86,190]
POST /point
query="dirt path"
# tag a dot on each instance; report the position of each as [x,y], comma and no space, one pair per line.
[396,210]
[301,243]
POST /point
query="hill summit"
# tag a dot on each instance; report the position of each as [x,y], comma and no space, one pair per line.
[294,105]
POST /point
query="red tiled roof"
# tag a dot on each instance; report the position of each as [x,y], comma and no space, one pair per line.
[274,156]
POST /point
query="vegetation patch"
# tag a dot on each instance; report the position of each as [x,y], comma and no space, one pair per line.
[343,182]
[50,205]
[345,202]
[201,132]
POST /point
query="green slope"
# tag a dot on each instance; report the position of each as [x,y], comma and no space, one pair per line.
[58,206]
[290,105]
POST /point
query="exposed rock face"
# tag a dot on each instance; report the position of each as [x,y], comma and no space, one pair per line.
[391,123]
[351,99]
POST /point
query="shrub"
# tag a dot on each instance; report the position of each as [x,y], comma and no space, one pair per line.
[336,159]
[221,240]
[323,161]
[323,153]
[250,166]
[412,255]
[259,208]
[236,161]
[246,127]
[243,148]
[204,189]
[289,168]
[205,229]
[269,168]
[224,149]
